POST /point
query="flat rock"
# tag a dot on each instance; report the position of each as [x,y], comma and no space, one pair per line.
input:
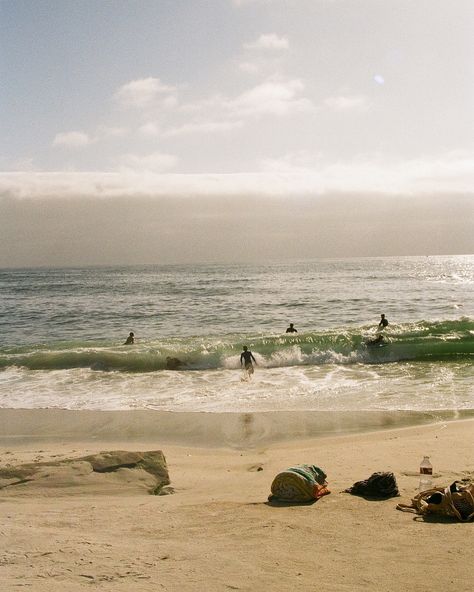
[108,470]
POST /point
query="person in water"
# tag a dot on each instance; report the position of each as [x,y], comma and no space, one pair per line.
[376,341]
[246,358]
[130,339]
[383,321]
[291,329]
[173,363]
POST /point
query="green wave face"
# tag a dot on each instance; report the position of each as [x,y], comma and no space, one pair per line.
[440,340]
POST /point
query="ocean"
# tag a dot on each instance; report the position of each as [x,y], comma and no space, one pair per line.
[62,335]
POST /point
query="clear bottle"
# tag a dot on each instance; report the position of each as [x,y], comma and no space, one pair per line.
[426,474]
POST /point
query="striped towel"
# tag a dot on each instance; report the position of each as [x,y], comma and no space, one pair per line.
[302,483]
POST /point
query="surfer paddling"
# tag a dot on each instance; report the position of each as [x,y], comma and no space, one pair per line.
[246,358]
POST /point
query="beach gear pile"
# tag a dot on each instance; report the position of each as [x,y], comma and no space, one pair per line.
[455,501]
[307,483]
[303,483]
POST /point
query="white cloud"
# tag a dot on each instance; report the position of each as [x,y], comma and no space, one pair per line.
[452,172]
[145,92]
[140,176]
[249,67]
[301,162]
[347,103]
[265,55]
[106,131]
[205,127]
[76,139]
[275,97]
[156,162]
[270,41]
[72,139]
[150,129]
[217,114]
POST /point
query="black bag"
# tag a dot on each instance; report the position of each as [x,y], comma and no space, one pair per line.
[378,485]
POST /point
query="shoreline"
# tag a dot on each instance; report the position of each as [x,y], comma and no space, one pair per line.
[233,430]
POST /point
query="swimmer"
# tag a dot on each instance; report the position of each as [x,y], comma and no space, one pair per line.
[173,363]
[130,339]
[383,321]
[291,329]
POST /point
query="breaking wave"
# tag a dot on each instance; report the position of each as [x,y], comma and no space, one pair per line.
[422,341]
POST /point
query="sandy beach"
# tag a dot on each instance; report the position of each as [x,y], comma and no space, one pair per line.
[236,259]
[217,531]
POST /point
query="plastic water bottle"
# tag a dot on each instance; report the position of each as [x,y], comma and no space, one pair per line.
[426,474]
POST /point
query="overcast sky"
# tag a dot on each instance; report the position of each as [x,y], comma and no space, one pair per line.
[169,131]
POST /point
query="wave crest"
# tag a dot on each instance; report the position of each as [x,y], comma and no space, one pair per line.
[440,340]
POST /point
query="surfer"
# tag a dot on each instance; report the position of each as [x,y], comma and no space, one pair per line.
[130,339]
[246,358]
[291,329]
[383,321]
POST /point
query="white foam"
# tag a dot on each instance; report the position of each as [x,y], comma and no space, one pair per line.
[420,386]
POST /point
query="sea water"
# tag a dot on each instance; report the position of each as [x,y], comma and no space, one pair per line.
[62,335]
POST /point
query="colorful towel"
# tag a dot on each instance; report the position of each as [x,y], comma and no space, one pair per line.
[302,483]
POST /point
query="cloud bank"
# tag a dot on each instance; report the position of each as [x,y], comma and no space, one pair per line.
[89,231]
[144,175]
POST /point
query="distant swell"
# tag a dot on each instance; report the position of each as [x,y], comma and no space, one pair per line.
[441,340]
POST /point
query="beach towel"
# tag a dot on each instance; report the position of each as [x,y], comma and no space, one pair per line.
[378,485]
[456,501]
[303,483]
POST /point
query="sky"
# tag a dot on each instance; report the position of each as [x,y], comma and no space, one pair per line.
[188,131]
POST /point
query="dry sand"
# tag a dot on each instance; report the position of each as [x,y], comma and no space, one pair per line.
[217,532]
